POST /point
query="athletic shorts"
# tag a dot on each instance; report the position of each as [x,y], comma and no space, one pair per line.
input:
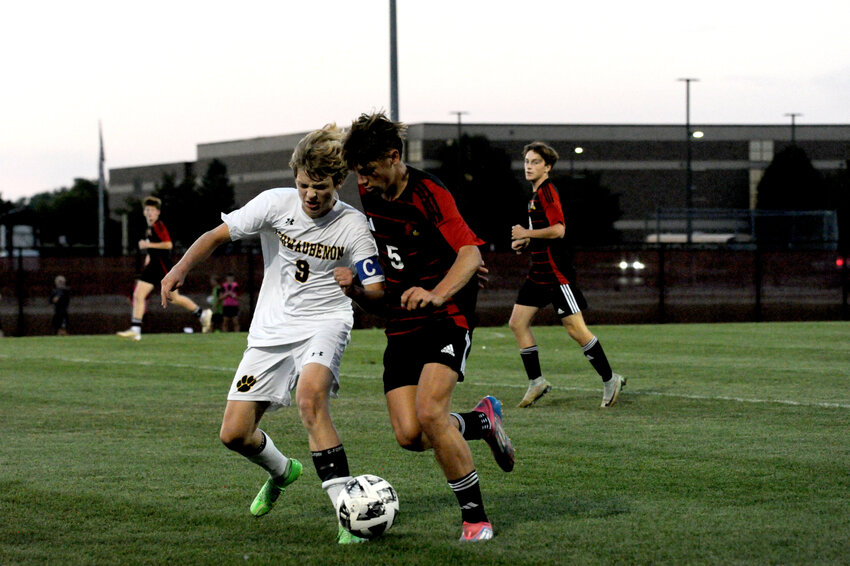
[566,299]
[152,273]
[230,312]
[270,373]
[442,342]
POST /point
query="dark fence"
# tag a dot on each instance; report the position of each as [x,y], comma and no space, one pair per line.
[670,283]
[624,285]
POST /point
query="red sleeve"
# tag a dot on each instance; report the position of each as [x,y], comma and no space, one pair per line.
[551,204]
[438,205]
[161,231]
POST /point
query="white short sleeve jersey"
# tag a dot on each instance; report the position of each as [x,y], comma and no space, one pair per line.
[299,257]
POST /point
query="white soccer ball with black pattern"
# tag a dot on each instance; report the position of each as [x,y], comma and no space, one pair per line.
[367,506]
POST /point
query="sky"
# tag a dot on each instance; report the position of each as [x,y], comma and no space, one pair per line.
[161,77]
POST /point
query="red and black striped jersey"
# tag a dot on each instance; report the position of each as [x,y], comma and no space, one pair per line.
[156,234]
[550,258]
[418,237]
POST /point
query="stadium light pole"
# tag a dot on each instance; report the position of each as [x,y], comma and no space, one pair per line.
[393,65]
[689,190]
[793,116]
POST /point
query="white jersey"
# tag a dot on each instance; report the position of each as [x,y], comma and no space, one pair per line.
[299,257]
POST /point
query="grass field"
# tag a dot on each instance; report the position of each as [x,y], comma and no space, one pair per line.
[730,445]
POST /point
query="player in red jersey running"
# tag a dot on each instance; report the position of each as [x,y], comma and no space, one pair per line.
[157,247]
[430,259]
[551,280]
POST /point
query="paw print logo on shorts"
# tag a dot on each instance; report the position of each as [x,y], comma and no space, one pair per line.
[245,383]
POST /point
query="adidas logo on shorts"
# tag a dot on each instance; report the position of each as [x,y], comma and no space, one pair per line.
[448,350]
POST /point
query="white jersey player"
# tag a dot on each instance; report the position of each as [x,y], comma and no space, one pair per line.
[302,321]
[299,255]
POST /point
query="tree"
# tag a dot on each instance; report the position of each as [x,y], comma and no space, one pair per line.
[75,214]
[484,186]
[590,209]
[188,209]
[5,205]
[791,182]
[180,207]
[838,189]
[69,216]
[216,195]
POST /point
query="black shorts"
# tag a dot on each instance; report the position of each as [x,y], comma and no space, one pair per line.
[229,311]
[442,342]
[152,273]
[566,299]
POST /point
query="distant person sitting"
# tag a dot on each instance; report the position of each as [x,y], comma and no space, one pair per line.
[60,299]
[157,247]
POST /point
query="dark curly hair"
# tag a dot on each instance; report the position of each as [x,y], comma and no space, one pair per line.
[372,137]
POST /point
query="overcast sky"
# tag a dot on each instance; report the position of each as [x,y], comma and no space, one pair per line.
[165,76]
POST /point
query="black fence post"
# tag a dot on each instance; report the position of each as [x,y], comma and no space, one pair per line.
[845,287]
[662,316]
[20,289]
[757,282]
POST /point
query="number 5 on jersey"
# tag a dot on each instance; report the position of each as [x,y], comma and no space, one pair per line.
[395,258]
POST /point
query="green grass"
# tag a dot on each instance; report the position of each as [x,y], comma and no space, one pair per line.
[729,446]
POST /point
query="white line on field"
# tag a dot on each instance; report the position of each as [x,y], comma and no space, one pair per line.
[378,374]
[675,395]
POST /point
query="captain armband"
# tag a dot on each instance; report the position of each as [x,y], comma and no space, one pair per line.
[369,270]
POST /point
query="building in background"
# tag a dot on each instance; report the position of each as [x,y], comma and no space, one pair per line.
[645,165]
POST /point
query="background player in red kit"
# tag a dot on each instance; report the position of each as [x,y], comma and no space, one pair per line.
[430,258]
[157,247]
[551,280]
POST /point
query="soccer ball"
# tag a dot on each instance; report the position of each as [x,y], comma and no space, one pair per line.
[367,506]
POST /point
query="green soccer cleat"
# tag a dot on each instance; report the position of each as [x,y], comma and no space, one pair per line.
[345,537]
[270,491]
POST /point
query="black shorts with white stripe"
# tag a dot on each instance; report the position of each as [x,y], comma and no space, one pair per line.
[440,341]
[566,298]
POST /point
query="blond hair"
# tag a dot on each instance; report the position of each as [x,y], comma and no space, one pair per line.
[319,154]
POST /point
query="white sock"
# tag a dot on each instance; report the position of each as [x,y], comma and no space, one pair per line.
[270,459]
[333,488]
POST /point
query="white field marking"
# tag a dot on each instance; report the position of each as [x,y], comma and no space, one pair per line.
[123,363]
[745,400]
[377,375]
[630,392]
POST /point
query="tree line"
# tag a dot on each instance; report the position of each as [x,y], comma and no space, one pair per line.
[66,220]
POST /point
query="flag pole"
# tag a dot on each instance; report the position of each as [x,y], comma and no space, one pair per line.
[101,189]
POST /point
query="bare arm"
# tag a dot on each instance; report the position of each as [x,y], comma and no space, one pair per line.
[466,265]
[369,297]
[145,245]
[198,252]
[553,232]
